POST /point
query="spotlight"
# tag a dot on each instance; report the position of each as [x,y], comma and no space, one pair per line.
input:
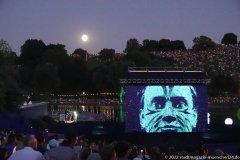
[228,121]
[75,115]
[208,117]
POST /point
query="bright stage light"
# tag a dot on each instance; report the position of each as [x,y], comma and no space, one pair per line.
[208,115]
[75,115]
[228,121]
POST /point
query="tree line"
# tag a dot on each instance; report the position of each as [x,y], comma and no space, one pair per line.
[49,69]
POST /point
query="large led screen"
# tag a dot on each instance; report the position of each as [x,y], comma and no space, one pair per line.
[164,108]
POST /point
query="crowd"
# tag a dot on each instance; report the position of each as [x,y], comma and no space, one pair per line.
[99,101]
[225,60]
[72,147]
[224,100]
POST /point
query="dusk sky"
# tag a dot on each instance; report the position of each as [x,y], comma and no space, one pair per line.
[110,23]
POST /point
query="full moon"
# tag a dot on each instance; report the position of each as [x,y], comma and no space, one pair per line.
[84,38]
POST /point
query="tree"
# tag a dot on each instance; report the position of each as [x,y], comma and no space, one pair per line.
[132,45]
[178,45]
[229,38]
[116,70]
[107,54]
[150,45]
[222,84]
[26,75]
[80,53]
[32,52]
[46,78]
[56,54]
[2,94]
[106,76]
[164,45]
[10,95]
[99,80]
[6,53]
[4,47]
[203,43]
[78,75]
[139,59]
[146,44]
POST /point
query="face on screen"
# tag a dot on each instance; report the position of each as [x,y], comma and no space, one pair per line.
[168,109]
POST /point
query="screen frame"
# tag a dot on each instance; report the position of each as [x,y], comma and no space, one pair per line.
[133,95]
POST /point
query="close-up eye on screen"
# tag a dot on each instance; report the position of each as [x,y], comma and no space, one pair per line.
[165,108]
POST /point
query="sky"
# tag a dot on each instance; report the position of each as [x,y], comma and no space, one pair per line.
[110,23]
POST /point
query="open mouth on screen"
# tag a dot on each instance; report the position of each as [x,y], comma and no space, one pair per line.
[170,129]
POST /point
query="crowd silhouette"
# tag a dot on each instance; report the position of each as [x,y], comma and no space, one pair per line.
[73,147]
[224,59]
